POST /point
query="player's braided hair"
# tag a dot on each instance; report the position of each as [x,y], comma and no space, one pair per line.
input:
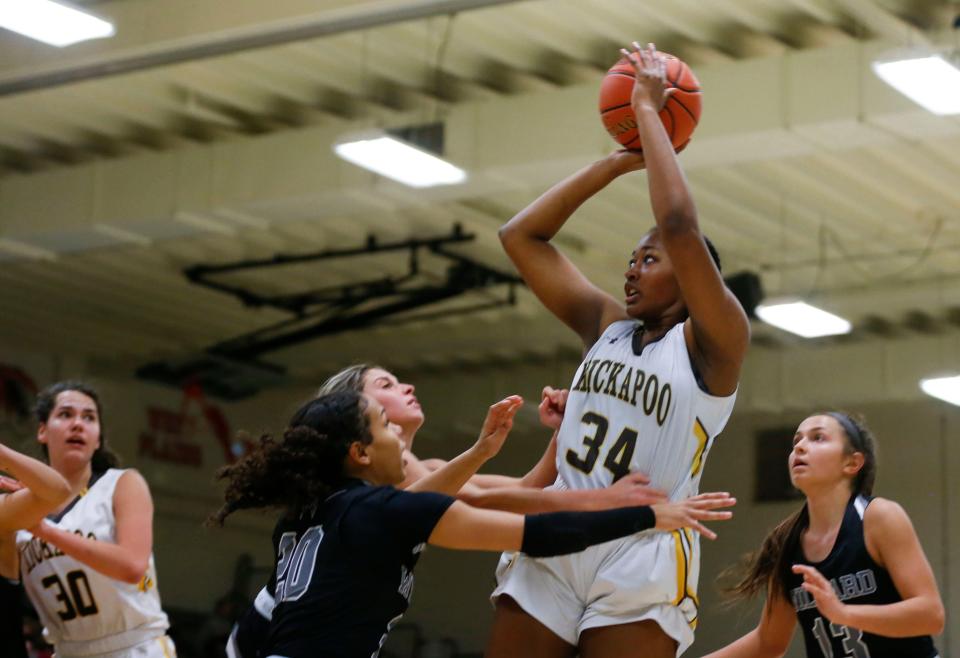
[769,568]
[103,458]
[302,468]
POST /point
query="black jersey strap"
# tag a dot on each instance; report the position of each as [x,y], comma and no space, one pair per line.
[558,533]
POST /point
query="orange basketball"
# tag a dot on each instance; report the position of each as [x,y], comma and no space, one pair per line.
[680,114]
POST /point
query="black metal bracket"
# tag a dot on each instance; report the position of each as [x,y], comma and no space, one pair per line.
[328,310]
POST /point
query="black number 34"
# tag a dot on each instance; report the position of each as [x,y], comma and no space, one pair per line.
[618,456]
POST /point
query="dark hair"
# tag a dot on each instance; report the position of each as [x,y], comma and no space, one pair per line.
[103,457]
[770,567]
[303,467]
[348,379]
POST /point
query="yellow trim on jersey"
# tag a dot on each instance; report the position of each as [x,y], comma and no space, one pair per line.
[163,645]
[700,433]
[683,542]
[693,595]
[145,583]
[681,567]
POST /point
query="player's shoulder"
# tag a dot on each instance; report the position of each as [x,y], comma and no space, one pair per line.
[128,482]
[358,498]
[885,516]
[128,475]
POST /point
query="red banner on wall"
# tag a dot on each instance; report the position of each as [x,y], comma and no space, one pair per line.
[171,436]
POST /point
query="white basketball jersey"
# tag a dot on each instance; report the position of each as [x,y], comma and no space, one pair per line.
[628,413]
[85,613]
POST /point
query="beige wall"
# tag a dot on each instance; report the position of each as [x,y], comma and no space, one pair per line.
[918,439]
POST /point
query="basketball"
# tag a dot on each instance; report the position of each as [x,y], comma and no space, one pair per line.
[680,114]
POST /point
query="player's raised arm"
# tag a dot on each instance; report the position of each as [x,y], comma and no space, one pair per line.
[718,330]
[552,277]
[451,477]
[39,490]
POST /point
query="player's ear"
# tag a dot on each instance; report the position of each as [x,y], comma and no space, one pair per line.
[358,454]
[854,462]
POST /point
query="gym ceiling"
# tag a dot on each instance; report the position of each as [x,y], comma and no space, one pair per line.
[201,135]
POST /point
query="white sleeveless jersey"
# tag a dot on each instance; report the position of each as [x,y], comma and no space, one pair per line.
[628,413]
[84,612]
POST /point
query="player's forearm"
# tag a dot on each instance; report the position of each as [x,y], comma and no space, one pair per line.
[43,482]
[452,476]
[670,198]
[544,472]
[493,481]
[528,500]
[919,615]
[543,218]
[112,560]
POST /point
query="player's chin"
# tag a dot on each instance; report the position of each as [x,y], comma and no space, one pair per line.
[635,310]
[798,478]
[412,416]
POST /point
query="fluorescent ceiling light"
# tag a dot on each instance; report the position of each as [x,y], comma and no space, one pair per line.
[399,160]
[802,319]
[931,81]
[943,388]
[52,22]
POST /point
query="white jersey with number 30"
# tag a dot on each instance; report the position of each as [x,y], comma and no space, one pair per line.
[84,612]
[628,413]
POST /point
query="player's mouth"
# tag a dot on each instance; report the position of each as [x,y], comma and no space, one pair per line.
[632,295]
[76,441]
[414,402]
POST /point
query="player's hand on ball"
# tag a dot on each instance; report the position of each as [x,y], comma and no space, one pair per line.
[497,425]
[690,512]
[552,405]
[650,84]
[626,161]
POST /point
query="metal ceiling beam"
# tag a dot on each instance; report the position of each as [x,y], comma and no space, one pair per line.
[217,46]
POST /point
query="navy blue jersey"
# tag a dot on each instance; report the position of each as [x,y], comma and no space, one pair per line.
[856,579]
[345,570]
[249,634]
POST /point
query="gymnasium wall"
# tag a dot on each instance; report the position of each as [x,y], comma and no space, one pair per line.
[918,440]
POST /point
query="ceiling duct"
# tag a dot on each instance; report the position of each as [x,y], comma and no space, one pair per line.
[232,368]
